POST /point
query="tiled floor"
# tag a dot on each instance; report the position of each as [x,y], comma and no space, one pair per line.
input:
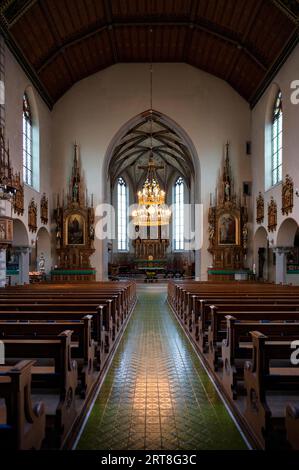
[156,394]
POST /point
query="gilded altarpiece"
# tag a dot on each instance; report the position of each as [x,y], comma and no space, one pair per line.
[74,231]
[228,231]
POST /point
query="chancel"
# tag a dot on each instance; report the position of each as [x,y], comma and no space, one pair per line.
[149,227]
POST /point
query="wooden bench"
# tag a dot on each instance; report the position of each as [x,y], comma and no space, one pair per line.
[237,348]
[55,384]
[217,328]
[292,425]
[83,347]
[22,425]
[271,382]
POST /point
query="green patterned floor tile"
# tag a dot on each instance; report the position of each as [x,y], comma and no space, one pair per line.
[156,394]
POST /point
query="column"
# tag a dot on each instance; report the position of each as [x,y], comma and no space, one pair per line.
[281,264]
[23,264]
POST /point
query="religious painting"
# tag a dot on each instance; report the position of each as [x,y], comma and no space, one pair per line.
[75,229]
[272,215]
[287,196]
[227,230]
[260,209]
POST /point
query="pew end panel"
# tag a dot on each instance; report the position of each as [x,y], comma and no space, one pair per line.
[25,425]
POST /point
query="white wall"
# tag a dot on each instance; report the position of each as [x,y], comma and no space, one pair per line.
[288,73]
[15,85]
[93,111]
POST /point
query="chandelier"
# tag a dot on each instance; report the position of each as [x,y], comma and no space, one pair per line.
[152,210]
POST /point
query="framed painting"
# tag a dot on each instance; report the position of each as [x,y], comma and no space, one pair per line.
[75,230]
[227,230]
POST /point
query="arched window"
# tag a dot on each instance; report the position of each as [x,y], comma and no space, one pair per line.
[27,142]
[122,219]
[178,215]
[276,162]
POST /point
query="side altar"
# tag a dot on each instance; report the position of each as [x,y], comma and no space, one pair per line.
[74,231]
[228,230]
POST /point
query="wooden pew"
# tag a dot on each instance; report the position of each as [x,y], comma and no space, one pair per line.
[102,332]
[59,381]
[237,348]
[23,425]
[83,347]
[271,382]
[201,319]
[217,328]
[292,425]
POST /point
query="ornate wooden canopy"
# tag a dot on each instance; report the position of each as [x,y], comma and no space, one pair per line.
[62,41]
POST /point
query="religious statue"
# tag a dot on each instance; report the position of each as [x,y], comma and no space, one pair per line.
[44,209]
[226,191]
[272,215]
[18,200]
[41,263]
[32,216]
[75,192]
[260,209]
[91,232]
[287,196]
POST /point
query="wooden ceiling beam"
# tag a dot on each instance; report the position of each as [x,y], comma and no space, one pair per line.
[111,32]
[209,29]
[188,37]
[25,64]
[57,38]
[249,26]
[18,10]
[291,12]
[275,67]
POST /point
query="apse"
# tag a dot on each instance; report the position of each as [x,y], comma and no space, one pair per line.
[151,155]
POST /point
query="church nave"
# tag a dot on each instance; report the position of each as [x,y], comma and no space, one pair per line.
[156,394]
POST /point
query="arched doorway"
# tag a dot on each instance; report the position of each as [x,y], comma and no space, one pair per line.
[286,253]
[286,233]
[260,246]
[17,256]
[175,155]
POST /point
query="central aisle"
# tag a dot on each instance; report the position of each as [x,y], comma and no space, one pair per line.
[156,394]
